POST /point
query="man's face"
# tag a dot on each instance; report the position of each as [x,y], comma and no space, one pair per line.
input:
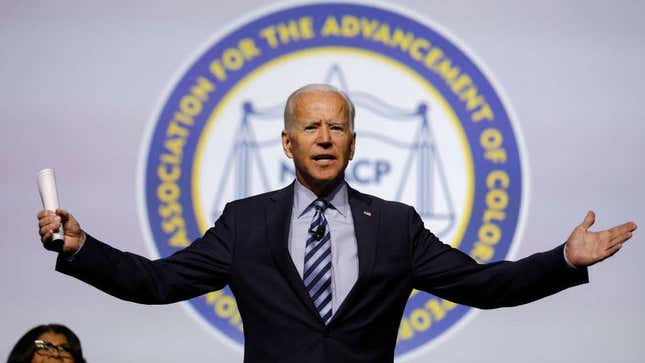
[319,140]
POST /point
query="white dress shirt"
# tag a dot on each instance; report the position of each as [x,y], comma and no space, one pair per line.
[344,249]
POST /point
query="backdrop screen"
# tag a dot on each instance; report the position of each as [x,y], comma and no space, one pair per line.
[90,90]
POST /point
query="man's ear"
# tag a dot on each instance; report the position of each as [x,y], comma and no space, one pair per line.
[352,146]
[286,144]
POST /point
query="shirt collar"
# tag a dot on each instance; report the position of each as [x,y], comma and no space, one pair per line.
[303,199]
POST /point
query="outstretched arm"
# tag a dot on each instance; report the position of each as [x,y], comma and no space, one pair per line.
[199,268]
[585,248]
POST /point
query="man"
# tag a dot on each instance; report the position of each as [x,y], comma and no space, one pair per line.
[322,272]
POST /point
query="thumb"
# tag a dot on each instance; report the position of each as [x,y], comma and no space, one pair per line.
[63,214]
[589,220]
[66,219]
[71,225]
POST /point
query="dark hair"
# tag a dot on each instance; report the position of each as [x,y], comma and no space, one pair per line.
[23,351]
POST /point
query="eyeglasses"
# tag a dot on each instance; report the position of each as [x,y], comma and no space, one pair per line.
[48,349]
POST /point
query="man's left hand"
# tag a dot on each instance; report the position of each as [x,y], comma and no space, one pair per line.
[584,248]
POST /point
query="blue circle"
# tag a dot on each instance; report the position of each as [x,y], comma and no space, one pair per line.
[319,12]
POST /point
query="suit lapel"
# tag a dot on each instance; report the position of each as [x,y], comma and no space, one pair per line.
[278,219]
[366,223]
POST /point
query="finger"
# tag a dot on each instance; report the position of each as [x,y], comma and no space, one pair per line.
[63,214]
[589,220]
[49,227]
[620,239]
[612,251]
[44,213]
[48,220]
[46,234]
[46,237]
[622,229]
[43,221]
[626,227]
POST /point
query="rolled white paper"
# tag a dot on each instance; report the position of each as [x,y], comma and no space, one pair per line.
[49,196]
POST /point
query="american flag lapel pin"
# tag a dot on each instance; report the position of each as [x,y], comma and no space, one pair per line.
[369,214]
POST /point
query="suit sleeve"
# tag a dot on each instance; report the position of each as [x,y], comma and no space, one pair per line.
[202,267]
[451,274]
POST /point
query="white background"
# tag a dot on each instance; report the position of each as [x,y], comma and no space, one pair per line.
[79,81]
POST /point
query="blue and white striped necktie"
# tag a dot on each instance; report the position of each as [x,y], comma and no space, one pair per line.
[317,272]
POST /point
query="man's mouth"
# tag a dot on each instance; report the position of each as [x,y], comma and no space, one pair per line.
[324,157]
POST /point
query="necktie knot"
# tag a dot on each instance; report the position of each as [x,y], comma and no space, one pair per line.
[321,205]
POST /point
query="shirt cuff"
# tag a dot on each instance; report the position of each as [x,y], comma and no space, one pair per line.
[72,257]
[572,266]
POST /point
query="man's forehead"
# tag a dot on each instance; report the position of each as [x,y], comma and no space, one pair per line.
[310,95]
[320,100]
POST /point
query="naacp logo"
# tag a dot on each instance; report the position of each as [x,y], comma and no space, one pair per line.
[432,131]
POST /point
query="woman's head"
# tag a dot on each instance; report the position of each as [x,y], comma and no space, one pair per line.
[47,343]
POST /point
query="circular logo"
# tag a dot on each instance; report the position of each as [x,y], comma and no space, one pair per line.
[432,131]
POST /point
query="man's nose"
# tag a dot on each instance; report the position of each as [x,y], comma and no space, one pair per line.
[324,136]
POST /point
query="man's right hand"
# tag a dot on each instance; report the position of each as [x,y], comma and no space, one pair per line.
[50,221]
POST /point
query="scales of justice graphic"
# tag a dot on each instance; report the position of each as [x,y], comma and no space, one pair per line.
[421,178]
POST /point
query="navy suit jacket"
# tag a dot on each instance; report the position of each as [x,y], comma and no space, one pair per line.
[247,249]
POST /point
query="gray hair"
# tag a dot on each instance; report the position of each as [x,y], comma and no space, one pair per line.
[314,88]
